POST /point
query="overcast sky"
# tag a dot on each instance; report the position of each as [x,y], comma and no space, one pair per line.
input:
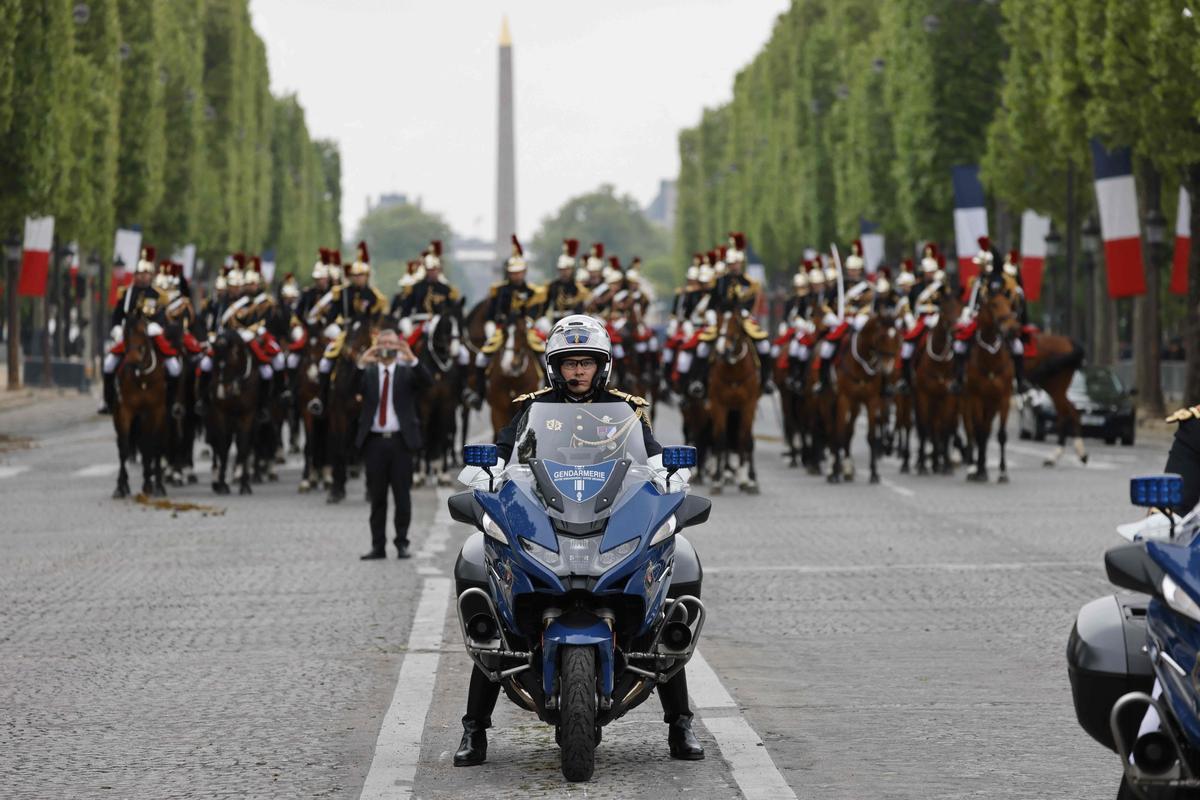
[408,88]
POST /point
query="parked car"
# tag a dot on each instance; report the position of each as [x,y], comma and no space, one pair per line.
[1105,408]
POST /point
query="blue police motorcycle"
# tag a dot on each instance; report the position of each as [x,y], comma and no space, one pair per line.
[578,594]
[1132,659]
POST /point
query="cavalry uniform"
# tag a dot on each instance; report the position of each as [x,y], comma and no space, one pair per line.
[427,299]
[139,299]
[507,301]
[698,330]
[681,307]
[988,281]
[736,293]
[566,295]
[321,284]
[797,334]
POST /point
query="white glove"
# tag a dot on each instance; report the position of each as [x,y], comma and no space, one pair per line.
[672,327]
[154,329]
[332,330]
[678,481]
[477,477]
[117,333]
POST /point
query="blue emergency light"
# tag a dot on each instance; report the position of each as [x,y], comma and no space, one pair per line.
[1156,491]
[480,455]
[679,457]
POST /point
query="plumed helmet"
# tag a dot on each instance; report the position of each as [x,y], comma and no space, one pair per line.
[320,270]
[830,274]
[1012,263]
[692,274]
[905,279]
[984,256]
[570,249]
[146,262]
[253,275]
[221,283]
[800,280]
[516,262]
[855,261]
[362,264]
[816,275]
[882,284]
[578,335]
[595,260]
[433,256]
[289,290]
[736,252]
[707,274]
[929,261]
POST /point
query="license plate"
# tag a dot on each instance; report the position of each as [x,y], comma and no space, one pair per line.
[1091,420]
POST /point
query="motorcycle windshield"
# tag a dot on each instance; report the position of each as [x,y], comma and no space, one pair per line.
[582,446]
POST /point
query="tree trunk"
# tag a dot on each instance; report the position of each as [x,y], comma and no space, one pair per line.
[1147,327]
[1191,391]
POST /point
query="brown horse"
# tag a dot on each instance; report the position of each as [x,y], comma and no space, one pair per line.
[733,390]
[989,378]
[515,370]
[936,406]
[234,390]
[308,387]
[438,403]
[864,361]
[344,405]
[1051,366]
[141,412]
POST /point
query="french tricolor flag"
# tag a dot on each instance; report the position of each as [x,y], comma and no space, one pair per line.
[1034,229]
[1183,244]
[35,258]
[1116,194]
[970,219]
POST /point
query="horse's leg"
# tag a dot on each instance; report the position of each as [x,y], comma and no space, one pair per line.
[245,445]
[1002,439]
[719,452]
[835,441]
[850,419]
[873,436]
[121,423]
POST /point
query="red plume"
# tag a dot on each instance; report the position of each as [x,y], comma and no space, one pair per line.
[436,246]
[738,239]
[721,251]
[615,262]
[856,247]
[985,243]
[239,258]
[572,247]
[148,253]
[907,265]
[324,255]
[1014,256]
[362,253]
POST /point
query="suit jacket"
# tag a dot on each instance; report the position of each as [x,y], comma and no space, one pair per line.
[407,383]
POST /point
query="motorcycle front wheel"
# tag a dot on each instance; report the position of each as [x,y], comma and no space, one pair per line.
[577,712]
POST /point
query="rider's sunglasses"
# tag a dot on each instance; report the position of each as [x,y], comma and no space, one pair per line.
[579,363]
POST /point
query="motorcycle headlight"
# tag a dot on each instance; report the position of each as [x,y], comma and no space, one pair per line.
[618,553]
[493,530]
[664,532]
[548,557]
[1179,600]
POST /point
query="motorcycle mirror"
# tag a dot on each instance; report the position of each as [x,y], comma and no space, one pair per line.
[694,510]
[463,508]
[1131,567]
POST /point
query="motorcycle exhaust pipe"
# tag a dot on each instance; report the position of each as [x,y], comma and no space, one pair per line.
[1154,753]
[482,629]
[677,636]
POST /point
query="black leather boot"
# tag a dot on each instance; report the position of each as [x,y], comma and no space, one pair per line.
[110,394]
[906,377]
[960,370]
[1019,373]
[765,363]
[173,405]
[317,405]
[480,391]
[683,743]
[202,384]
[472,750]
[822,375]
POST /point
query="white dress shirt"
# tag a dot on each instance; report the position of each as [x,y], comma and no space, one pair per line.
[391,423]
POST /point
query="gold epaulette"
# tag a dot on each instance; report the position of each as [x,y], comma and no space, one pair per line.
[495,289]
[629,398]
[1185,414]
[454,294]
[538,295]
[530,395]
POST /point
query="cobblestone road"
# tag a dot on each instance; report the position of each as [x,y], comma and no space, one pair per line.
[898,641]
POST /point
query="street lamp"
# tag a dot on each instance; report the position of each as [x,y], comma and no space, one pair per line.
[1089,242]
[12,255]
[1156,227]
[1089,236]
[1053,250]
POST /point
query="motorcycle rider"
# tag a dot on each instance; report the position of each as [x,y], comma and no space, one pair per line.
[579,360]
[1184,458]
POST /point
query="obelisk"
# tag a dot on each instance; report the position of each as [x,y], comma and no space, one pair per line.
[506,168]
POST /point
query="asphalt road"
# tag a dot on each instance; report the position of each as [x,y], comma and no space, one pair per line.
[904,640]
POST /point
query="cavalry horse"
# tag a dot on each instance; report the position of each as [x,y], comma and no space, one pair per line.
[989,378]
[863,362]
[638,371]
[935,405]
[308,387]
[234,389]
[344,404]
[733,391]
[141,412]
[183,423]
[439,402]
[474,325]
[515,370]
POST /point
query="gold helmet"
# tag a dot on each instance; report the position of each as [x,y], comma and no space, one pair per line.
[595,260]
[146,262]
[320,270]
[433,256]
[1012,263]
[253,275]
[516,262]
[570,250]
[855,260]
[234,277]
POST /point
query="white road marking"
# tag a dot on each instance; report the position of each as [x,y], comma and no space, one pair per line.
[439,530]
[812,569]
[398,748]
[13,471]
[97,471]
[897,488]
[749,762]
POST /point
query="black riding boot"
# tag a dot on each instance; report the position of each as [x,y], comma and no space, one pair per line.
[797,375]
[173,405]
[110,393]
[262,407]
[287,382]
[960,371]
[481,700]
[682,741]
[480,387]
[697,378]
[202,384]
[1019,373]
[822,375]
[765,363]
[906,376]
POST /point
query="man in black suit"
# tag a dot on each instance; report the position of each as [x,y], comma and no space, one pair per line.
[389,434]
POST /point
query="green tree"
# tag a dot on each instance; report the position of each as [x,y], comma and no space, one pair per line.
[396,234]
[598,216]
[141,157]
[329,158]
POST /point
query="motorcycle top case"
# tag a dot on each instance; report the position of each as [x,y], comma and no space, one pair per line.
[1106,660]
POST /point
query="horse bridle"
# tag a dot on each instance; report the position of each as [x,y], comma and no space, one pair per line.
[141,369]
[871,368]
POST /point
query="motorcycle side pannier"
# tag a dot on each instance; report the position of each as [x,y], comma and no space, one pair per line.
[1106,659]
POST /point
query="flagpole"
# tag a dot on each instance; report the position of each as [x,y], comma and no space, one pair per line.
[837,261]
[11,255]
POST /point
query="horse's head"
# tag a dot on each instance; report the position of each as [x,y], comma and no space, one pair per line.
[732,342]
[883,339]
[444,338]
[997,311]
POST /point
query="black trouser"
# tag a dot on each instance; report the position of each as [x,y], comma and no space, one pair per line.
[482,696]
[388,462]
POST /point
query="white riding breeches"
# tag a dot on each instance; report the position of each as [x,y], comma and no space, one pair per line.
[618,351]
[685,361]
[266,371]
[293,360]
[827,350]
[797,350]
[481,359]
[206,364]
[174,366]
[764,346]
[464,356]
[703,349]
[1017,347]
[960,347]
[906,350]
[668,356]
[110,363]
[325,367]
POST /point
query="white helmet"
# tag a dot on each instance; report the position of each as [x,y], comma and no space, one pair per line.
[578,334]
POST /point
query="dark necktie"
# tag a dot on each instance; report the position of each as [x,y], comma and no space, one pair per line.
[383,399]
